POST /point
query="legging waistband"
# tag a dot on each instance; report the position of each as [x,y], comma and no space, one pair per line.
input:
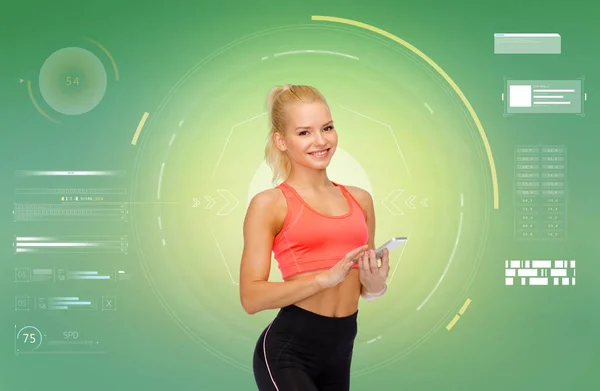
[307,322]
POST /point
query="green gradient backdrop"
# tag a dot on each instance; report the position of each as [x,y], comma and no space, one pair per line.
[200,70]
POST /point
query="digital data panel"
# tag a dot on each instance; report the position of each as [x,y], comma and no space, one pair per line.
[71,246]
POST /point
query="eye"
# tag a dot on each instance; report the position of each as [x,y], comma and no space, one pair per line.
[330,127]
[303,133]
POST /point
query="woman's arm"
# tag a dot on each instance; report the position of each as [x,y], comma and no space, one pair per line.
[261,224]
[365,200]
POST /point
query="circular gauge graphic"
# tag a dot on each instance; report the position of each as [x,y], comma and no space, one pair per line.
[73,81]
[404,135]
[28,339]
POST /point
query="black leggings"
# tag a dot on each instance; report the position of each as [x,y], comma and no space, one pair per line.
[304,351]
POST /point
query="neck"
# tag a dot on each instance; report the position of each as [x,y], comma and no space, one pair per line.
[304,177]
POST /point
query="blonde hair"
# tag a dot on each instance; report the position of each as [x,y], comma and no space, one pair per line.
[277,102]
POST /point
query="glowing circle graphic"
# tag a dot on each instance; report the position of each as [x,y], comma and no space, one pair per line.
[73,81]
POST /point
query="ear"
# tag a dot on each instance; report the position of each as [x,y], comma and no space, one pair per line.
[279,141]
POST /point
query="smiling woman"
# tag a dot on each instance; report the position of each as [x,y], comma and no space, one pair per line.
[321,234]
[298,107]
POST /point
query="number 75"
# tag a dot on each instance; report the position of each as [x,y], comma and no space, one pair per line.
[30,337]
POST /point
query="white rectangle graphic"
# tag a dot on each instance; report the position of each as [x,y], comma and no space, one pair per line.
[538,281]
[527,272]
[542,264]
[558,263]
[519,96]
[527,35]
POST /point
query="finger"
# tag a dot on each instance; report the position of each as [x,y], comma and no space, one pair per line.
[385,263]
[347,266]
[360,263]
[364,263]
[346,260]
[386,257]
[358,256]
[384,254]
[353,253]
[385,266]
[373,262]
[386,271]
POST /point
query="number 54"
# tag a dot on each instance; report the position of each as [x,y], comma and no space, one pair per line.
[72,80]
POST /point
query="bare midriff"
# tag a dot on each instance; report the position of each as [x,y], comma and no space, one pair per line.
[338,301]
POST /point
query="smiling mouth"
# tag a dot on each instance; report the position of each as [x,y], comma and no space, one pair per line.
[320,154]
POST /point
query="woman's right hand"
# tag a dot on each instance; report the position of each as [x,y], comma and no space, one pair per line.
[338,273]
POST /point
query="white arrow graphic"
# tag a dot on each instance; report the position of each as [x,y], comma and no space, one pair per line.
[424,202]
[196,202]
[390,198]
[408,202]
[210,203]
[232,202]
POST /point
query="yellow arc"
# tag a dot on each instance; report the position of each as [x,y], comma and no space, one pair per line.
[451,82]
[37,106]
[110,57]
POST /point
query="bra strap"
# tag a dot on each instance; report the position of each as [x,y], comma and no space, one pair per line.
[351,197]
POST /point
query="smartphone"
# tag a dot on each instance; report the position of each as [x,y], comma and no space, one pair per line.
[390,245]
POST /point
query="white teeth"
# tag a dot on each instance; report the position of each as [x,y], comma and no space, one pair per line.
[319,154]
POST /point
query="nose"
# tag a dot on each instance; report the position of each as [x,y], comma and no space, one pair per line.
[319,139]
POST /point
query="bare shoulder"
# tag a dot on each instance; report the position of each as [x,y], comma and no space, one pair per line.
[267,198]
[361,195]
[269,203]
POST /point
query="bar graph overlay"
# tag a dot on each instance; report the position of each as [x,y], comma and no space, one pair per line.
[70,244]
[39,275]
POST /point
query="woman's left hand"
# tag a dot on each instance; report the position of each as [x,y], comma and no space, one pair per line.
[372,276]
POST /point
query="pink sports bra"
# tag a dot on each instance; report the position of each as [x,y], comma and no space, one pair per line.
[310,240]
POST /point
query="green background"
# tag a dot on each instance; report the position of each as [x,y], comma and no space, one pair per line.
[179,324]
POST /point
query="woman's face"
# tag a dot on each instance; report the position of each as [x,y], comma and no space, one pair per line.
[309,138]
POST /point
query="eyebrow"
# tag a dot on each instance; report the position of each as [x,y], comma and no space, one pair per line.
[308,127]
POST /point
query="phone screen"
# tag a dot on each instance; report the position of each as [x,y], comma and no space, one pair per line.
[390,245]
